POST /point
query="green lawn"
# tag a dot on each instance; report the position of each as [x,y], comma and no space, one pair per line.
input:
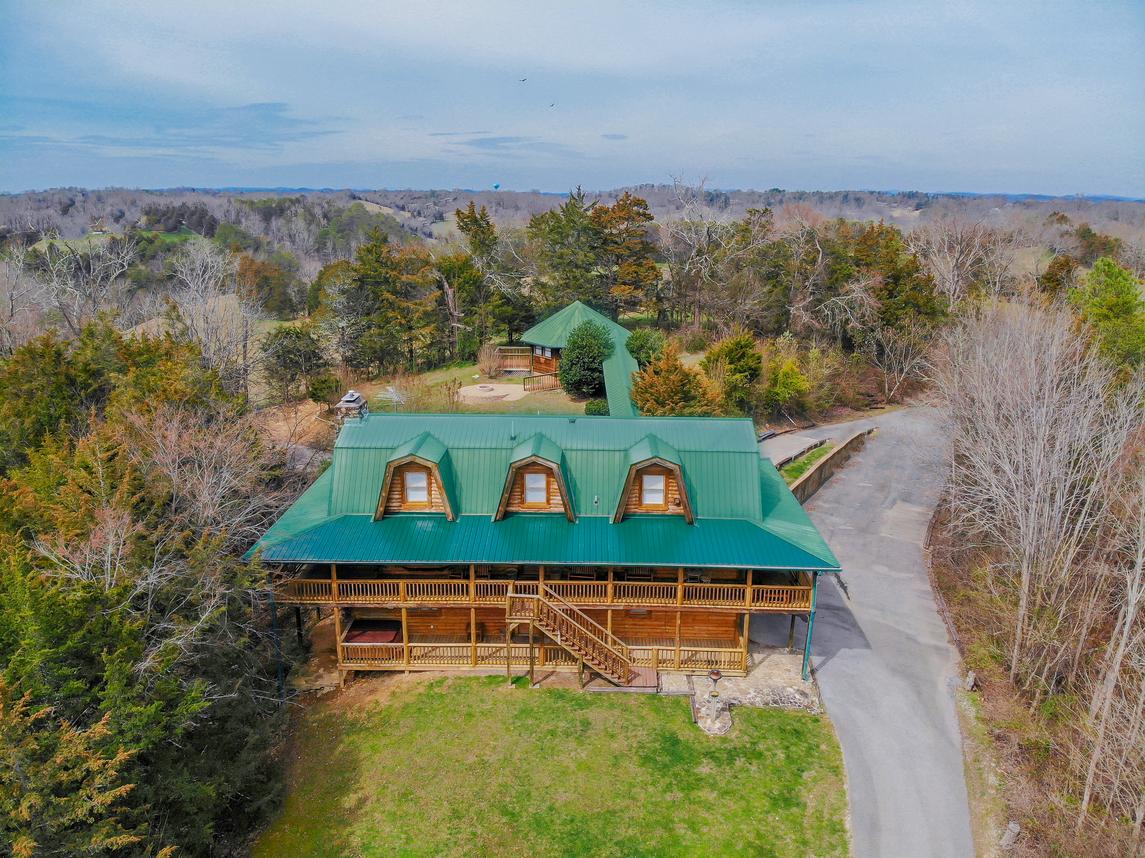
[472,766]
[795,469]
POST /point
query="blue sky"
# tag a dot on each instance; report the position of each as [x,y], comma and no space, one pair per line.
[936,96]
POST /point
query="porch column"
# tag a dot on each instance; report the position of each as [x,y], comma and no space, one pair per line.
[747,589]
[473,637]
[405,638]
[746,638]
[810,628]
[677,640]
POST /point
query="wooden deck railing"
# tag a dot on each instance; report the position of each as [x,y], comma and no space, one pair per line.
[581,594]
[541,381]
[392,656]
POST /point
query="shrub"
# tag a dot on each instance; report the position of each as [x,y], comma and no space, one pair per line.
[488,363]
[736,363]
[694,341]
[646,344]
[596,408]
[324,388]
[582,370]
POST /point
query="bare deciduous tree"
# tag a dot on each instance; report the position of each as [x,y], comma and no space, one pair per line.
[19,295]
[79,282]
[704,247]
[208,308]
[1038,425]
[960,256]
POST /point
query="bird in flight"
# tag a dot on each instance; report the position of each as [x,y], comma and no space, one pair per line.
[554,104]
[524,79]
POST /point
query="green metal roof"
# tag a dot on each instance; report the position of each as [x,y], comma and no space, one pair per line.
[424,446]
[727,482]
[537,445]
[651,447]
[554,331]
[528,538]
[618,367]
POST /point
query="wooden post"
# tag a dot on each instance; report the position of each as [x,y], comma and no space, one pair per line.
[677,640]
[747,590]
[610,620]
[405,638]
[532,660]
[472,583]
[791,634]
[509,651]
[473,637]
[298,623]
[540,579]
[580,672]
[402,591]
[609,598]
[810,628]
[338,641]
[334,582]
[679,592]
[746,637]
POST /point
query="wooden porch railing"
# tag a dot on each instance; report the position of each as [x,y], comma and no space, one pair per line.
[582,594]
[541,381]
[392,656]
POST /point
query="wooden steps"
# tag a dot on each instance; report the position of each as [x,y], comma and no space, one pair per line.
[574,631]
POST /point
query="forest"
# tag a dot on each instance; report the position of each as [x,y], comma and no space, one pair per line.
[142,701]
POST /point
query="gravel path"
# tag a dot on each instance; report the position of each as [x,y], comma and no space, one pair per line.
[884,663]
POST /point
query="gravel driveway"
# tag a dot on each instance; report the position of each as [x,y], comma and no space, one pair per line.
[882,658]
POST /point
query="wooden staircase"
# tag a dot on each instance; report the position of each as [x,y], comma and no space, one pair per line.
[575,631]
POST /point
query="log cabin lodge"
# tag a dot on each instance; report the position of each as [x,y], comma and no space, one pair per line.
[622,546]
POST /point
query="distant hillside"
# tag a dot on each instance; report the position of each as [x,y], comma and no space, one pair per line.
[429,213]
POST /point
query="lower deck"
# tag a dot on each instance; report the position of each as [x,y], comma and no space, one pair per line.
[483,639]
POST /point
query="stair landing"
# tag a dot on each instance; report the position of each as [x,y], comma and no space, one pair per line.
[646,681]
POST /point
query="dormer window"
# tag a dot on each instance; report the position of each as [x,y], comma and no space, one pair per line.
[415,488]
[536,491]
[653,491]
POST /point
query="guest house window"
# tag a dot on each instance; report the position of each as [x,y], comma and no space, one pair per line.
[536,488]
[538,351]
[415,487]
[548,353]
[653,491]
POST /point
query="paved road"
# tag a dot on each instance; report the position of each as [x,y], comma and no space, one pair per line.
[883,660]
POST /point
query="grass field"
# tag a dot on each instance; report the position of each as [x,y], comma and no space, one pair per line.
[795,469]
[472,766]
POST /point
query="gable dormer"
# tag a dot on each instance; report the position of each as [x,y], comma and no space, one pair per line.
[535,480]
[654,483]
[417,479]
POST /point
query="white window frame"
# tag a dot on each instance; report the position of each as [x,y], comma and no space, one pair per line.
[538,351]
[548,353]
[648,491]
[542,488]
[410,490]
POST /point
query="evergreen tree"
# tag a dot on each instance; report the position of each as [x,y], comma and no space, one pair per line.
[568,244]
[1109,299]
[666,388]
[627,254]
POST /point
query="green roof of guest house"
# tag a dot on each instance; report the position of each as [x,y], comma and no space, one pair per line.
[554,332]
[745,516]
